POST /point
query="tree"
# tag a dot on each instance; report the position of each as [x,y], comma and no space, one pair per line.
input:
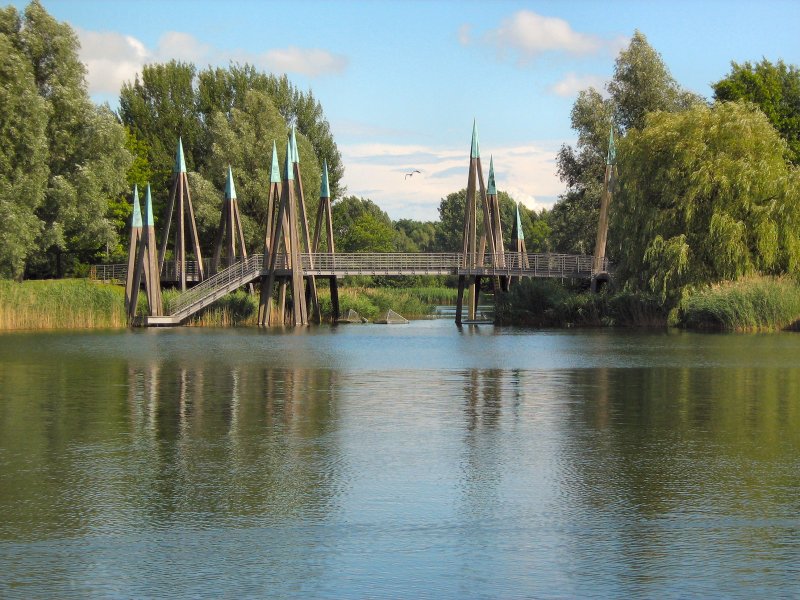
[23,152]
[159,108]
[705,195]
[359,225]
[775,88]
[641,84]
[85,158]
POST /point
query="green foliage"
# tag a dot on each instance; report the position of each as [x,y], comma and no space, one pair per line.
[641,84]
[83,166]
[65,304]
[23,152]
[548,303]
[750,304]
[706,196]
[775,88]
[359,225]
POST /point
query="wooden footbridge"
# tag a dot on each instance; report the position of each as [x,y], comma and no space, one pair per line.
[331,265]
[292,259]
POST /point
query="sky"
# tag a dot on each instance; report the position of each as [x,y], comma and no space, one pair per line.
[402,82]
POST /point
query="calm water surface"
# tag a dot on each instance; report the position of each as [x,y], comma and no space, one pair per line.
[399,462]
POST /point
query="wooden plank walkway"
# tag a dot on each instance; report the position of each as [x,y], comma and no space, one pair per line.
[561,266]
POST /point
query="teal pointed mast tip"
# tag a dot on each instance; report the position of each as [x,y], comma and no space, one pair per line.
[180,163]
[611,159]
[325,189]
[230,189]
[288,171]
[491,188]
[475,152]
[520,233]
[136,221]
[275,176]
[148,208]
[295,152]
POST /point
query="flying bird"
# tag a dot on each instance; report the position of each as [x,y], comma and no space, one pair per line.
[412,173]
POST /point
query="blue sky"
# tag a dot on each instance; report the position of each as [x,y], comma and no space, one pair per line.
[400,82]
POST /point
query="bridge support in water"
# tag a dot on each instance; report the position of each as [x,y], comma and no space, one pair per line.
[146,262]
[291,222]
[491,232]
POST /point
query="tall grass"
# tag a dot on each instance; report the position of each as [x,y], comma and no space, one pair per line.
[61,304]
[755,303]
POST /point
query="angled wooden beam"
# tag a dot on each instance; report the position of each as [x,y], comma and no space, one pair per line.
[273,199]
[136,237]
[605,201]
[180,202]
[147,264]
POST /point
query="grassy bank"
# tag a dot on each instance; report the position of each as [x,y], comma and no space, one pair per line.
[61,304]
[750,304]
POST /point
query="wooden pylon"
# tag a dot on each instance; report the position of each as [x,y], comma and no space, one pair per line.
[273,201]
[311,298]
[136,237]
[473,249]
[493,228]
[325,217]
[147,265]
[286,236]
[605,201]
[230,232]
[180,203]
[518,243]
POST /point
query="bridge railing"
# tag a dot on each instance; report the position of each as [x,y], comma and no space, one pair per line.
[197,294]
[113,273]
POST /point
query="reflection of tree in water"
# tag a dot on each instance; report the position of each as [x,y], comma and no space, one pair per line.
[654,445]
[233,441]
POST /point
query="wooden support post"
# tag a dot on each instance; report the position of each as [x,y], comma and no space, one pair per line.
[602,224]
[460,298]
[273,208]
[132,297]
[147,265]
[180,202]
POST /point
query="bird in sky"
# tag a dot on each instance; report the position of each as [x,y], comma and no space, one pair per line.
[412,173]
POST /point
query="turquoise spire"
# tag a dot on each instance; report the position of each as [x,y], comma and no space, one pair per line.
[230,189]
[180,163]
[325,189]
[148,208]
[612,149]
[475,153]
[288,171]
[491,188]
[136,222]
[520,233]
[275,177]
[295,153]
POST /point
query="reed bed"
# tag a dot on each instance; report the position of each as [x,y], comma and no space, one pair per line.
[61,304]
[757,303]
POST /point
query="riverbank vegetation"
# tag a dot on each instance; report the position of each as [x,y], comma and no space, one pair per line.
[61,304]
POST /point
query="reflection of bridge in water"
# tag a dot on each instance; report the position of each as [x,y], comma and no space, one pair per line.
[331,265]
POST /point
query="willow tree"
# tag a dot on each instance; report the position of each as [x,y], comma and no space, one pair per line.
[705,195]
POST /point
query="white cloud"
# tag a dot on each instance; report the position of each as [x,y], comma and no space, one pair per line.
[572,83]
[306,61]
[112,58]
[528,35]
[377,171]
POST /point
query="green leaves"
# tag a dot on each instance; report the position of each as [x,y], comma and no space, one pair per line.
[704,196]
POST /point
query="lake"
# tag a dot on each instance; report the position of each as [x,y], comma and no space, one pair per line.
[405,461]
